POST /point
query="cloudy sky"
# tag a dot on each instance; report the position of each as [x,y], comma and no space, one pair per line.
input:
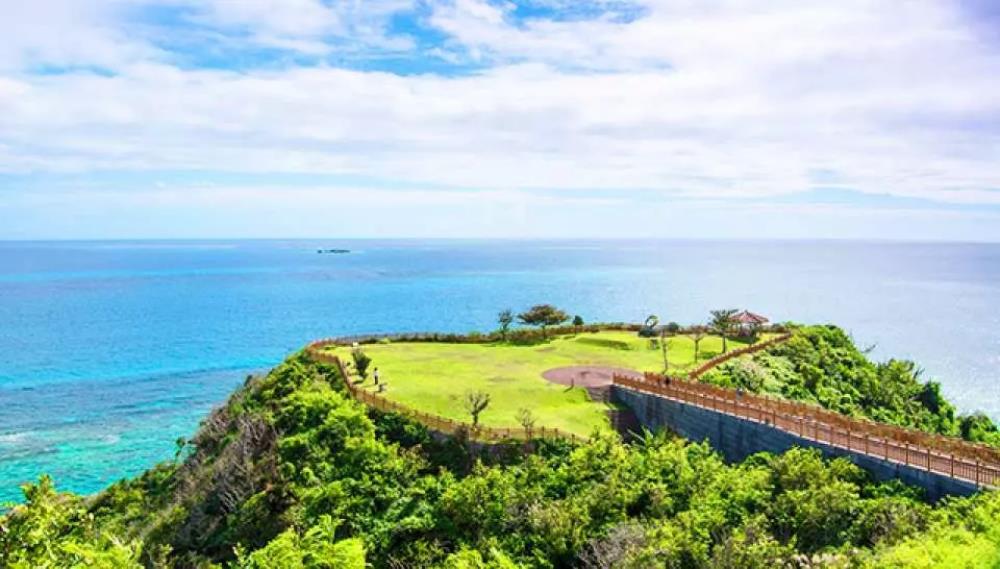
[475,118]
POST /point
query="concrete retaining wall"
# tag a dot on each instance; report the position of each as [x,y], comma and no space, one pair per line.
[738,438]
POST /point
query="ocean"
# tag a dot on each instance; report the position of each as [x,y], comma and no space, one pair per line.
[110,351]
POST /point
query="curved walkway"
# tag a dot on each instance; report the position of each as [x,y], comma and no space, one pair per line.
[946,456]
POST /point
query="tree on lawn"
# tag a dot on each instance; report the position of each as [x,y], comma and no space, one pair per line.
[722,323]
[475,403]
[361,362]
[663,346]
[527,419]
[698,333]
[543,315]
[505,318]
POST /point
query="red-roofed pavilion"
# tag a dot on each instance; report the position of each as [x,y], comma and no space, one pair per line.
[748,322]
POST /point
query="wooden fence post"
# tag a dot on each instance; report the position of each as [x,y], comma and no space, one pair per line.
[952,465]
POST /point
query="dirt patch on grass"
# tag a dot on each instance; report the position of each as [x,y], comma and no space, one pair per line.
[585,376]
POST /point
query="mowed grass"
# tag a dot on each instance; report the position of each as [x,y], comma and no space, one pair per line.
[434,377]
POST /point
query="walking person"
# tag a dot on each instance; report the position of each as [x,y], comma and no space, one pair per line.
[375,375]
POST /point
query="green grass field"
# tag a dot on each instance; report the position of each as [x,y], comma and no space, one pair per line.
[434,377]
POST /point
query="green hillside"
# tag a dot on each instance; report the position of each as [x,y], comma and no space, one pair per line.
[291,473]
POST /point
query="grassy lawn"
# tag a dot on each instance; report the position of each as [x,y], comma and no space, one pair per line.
[434,377]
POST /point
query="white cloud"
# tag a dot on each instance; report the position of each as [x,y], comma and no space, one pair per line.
[67,33]
[280,17]
[305,25]
[695,99]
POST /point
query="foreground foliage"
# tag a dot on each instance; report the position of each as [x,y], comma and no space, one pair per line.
[291,473]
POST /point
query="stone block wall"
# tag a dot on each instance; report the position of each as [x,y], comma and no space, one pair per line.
[736,438]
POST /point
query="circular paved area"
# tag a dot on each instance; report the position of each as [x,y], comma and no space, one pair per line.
[585,376]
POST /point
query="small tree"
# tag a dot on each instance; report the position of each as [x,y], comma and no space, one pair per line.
[578,321]
[475,403]
[361,362]
[505,318]
[663,346]
[543,315]
[722,323]
[697,334]
[526,418]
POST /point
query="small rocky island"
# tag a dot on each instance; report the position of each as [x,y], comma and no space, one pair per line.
[333,251]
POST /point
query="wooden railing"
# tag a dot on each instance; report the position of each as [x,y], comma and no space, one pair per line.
[944,455]
[433,422]
[751,349]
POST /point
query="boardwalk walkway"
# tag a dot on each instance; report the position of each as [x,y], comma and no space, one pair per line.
[951,457]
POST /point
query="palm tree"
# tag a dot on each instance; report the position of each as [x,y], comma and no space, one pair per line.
[648,329]
[722,323]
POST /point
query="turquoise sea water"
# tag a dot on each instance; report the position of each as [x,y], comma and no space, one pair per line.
[109,351]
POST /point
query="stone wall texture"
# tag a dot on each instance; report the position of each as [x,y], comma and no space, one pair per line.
[738,438]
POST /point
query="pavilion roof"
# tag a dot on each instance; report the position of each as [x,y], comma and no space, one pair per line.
[747,317]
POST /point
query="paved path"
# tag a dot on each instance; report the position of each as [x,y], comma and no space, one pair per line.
[587,376]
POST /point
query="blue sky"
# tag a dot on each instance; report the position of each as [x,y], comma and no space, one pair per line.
[474,118]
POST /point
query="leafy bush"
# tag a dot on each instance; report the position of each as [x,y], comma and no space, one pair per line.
[361,361]
[605,343]
[525,336]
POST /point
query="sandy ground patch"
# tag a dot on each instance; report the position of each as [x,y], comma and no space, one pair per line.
[585,376]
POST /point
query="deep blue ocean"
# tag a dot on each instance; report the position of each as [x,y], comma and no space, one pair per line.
[109,351]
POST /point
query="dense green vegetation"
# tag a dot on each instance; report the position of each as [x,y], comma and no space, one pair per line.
[820,364]
[435,377]
[291,473]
